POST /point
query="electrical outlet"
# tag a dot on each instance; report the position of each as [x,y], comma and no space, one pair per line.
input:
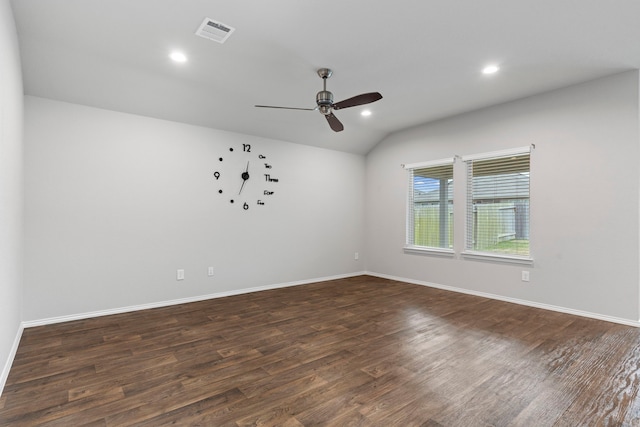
[210,273]
[525,276]
[356,256]
[180,275]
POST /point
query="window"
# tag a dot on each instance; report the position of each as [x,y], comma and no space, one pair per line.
[430,205]
[498,203]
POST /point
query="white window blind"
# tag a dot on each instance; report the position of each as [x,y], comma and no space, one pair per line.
[430,204]
[498,203]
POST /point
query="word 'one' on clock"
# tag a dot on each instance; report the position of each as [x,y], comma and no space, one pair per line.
[245,178]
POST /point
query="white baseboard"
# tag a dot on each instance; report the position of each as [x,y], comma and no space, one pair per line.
[512,300]
[81,316]
[12,354]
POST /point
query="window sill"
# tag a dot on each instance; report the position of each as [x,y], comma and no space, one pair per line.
[507,259]
[421,250]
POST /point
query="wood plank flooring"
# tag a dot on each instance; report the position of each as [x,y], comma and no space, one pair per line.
[362,351]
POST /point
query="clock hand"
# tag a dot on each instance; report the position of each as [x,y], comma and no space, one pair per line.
[245,177]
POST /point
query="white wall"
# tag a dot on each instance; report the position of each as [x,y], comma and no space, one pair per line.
[10,189]
[115,203]
[584,198]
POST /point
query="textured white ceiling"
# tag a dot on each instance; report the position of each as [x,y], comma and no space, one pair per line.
[424,56]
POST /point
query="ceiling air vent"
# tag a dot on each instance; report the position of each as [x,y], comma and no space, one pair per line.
[216,31]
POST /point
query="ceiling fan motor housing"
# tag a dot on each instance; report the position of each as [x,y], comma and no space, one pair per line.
[324,99]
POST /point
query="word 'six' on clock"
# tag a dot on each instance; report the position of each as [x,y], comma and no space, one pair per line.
[245,177]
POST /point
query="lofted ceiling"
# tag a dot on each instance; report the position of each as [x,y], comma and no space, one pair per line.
[424,56]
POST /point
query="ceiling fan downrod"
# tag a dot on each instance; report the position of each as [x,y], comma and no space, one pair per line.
[324,98]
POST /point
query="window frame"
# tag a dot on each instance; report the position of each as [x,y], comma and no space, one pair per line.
[470,253]
[410,246]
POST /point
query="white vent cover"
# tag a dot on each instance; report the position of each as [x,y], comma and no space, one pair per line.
[216,31]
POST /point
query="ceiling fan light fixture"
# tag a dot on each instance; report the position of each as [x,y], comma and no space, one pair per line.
[365,113]
[325,109]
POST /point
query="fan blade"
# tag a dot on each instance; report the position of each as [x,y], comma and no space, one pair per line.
[334,122]
[286,108]
[365,98]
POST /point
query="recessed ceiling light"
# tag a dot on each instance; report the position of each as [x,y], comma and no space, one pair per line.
[490,69]
[178,56]
[365,113]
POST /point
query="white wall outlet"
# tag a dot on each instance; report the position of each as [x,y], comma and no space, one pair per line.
[525,276]
[210,271]
[356,256]
[180,275]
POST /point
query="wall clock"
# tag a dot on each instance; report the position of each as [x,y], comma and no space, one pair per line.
[245,177]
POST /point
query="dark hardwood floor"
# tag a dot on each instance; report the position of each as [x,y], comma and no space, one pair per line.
[362,351]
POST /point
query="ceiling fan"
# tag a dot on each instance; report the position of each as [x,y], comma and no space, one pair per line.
[325,104]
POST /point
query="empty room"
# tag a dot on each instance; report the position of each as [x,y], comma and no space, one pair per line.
[319,213]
